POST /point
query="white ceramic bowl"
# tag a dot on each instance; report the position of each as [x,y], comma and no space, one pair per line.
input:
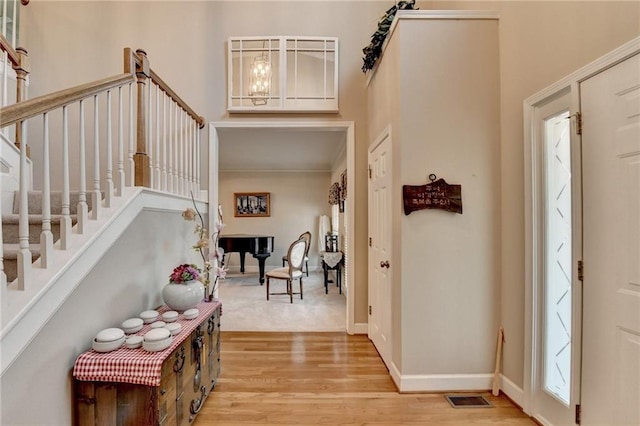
[107,346]
[174,328]
[149,316]
[109,335]
[190,314]
[158,324]
[133,342]
[156,335]
[158,345]
[170,316]
[132,325]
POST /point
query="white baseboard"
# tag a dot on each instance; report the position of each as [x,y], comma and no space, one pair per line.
[513,391]
[440,382]
[361,328]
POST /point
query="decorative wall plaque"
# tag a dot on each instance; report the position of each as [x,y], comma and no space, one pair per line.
[435,195]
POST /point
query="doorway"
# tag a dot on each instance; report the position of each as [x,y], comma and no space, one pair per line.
[582,138]
[216,129]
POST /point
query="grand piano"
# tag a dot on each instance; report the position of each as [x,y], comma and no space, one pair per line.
[260,247]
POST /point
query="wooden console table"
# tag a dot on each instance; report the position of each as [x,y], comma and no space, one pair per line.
[136,387]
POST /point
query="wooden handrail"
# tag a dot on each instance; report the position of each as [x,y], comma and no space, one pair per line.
[134,62]
[36,106]
[11,52]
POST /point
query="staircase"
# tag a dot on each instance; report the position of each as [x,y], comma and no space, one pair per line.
[10,223]
[151,139]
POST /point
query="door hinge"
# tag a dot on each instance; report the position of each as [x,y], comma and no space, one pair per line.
[369,309]
[578,414]
[580,270]
[369,171]
[370,242]
[578,116]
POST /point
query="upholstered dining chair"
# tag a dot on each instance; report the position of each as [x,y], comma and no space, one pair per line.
[295,260]
[307,236]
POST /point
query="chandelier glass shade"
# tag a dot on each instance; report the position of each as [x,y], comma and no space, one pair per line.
[260,79]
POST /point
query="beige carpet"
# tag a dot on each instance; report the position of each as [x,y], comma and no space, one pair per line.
[245,306]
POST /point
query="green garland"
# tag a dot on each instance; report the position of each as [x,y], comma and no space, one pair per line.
[374,49]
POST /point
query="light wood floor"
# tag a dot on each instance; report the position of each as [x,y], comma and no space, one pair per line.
[326,378]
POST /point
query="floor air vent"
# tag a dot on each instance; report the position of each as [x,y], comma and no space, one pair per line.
[468,401]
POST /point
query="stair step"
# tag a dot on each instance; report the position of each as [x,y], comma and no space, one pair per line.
[35,202]
[10,253]
[10,227]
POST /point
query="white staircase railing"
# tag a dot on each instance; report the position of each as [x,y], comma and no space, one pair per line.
[162,152]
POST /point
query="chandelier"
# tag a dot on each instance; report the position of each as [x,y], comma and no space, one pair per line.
[260,79]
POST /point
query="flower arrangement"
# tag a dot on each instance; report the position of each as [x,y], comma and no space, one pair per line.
[201,246]
[374,49]
[184,273]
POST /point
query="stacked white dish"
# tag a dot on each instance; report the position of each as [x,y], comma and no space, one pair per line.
[149,316]
[170,316]
[157,339]
[158,324]
[190,314]
[134,342]
[132,325]
[108,340]
[174,328]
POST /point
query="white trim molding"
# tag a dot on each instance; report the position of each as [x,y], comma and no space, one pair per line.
[440,382]
[513,391]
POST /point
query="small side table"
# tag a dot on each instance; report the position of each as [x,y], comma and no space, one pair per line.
[332,261]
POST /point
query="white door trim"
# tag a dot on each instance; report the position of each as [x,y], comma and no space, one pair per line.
[349,128]
[532,179]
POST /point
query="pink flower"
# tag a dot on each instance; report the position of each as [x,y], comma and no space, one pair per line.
[184,273]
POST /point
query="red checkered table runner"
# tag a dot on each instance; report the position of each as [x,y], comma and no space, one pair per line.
[136,366]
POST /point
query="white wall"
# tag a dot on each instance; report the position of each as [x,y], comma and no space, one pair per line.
[540,42]
[297,201]
[38,387]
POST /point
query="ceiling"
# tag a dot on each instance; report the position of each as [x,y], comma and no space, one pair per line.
[279,149]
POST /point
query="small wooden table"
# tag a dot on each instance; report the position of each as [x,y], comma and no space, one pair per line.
[136,387]
[332,261]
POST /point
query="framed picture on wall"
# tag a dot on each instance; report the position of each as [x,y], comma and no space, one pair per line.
[252,204]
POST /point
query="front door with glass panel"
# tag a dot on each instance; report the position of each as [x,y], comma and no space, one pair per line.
[557,293]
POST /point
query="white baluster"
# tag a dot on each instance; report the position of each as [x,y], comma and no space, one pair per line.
[96,195]
[189,150]
[46,236]
[4,18]
[109,172]
[164,144]
[65,220]
[170,185]
[183,155]
[158,183]
[121,176]
[132,126]
[83,208]
[24,254]
[149,141]
[5,78]
[176,147]
[198,157]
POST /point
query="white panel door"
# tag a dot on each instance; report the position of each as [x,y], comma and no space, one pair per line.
[380,243]
[610,103]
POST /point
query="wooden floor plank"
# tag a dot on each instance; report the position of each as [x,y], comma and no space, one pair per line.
[326,378]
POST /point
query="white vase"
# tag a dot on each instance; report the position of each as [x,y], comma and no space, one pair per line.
[181,297]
